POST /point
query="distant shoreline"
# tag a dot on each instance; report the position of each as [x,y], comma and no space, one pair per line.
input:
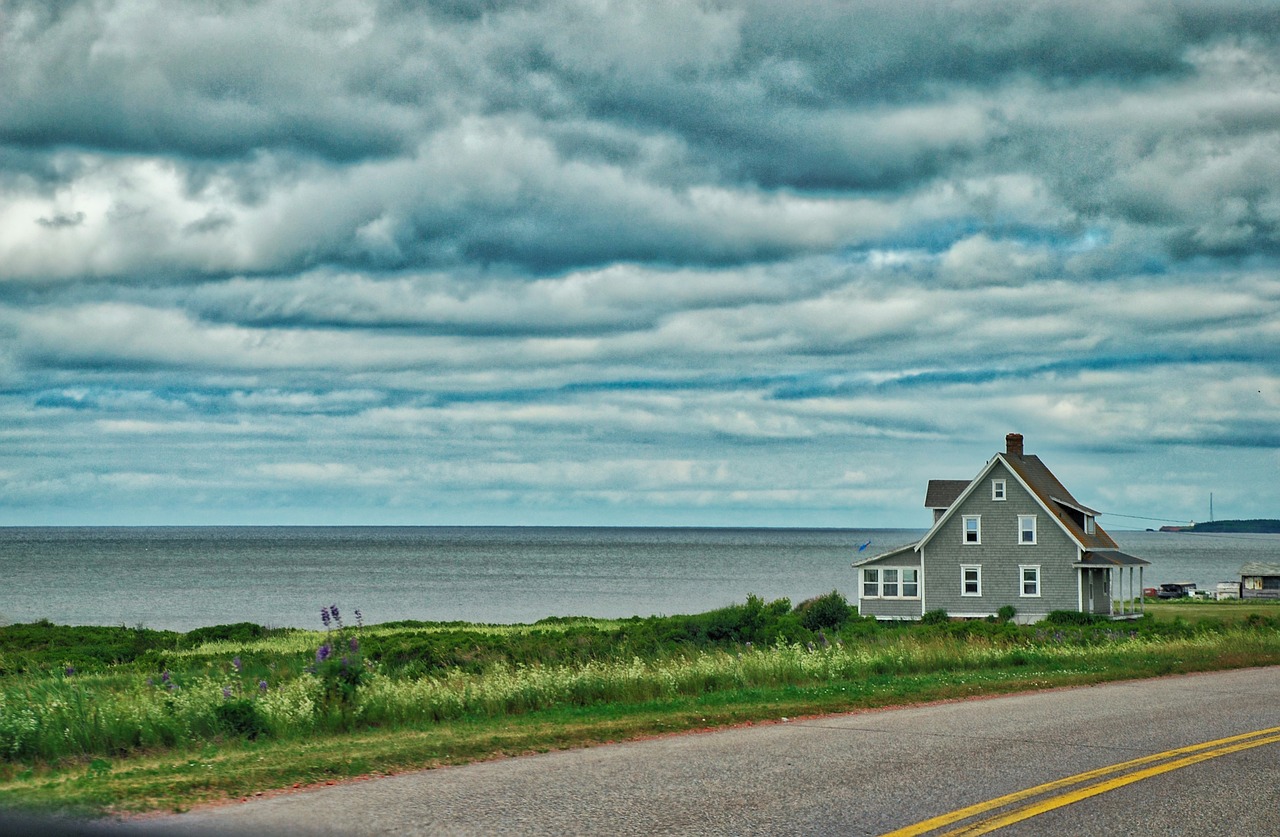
[1262,526]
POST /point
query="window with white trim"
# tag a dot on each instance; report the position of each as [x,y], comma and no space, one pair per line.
[1027,528]
[972,529]
[889,584]
[871,583]
[970,580]
[910,584]
[1089,526]
[1030,576]
[997,489]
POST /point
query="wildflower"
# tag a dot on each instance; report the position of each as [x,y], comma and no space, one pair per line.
[164,676]
[70,670]
[324,616]
[173,687]
[359,619]
[226,692]
[337,617]
[354,645]
[235,662]
[322,653]
[262,686]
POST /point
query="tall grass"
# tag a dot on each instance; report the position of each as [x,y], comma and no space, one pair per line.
[53,716]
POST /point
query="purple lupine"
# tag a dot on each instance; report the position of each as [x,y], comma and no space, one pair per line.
[262,686]
[337,617]
[359,619]
[226,692]
[354,645]
[235,662]
[70,671]
[164,676]
[344,662]
[324,617]
[322,653]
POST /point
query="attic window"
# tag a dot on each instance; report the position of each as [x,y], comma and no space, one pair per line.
[973,529]
[1089,527]
[997,489]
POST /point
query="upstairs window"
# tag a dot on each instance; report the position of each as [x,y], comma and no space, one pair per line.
[1089,526]
[997,489]
[1026,528]
[973,529]
[970,580]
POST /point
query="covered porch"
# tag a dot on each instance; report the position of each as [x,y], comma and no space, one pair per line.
[1102,575]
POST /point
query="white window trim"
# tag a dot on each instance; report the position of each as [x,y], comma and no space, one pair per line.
[865,582]
[1022,590]
[1022,518]
[880,583]
[1090,527]
[978,569]
[903,582]
[964,529]
[999,490]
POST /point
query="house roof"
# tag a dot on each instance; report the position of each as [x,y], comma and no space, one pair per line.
[1110,558]
[1055,497]
[1260,568]
[901,550]
[1036,477]
[942,493]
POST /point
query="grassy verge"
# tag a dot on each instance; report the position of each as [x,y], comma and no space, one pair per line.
[107,740]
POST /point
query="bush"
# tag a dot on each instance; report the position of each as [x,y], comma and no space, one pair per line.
[1007,613]
[240,717]
[935,617]
[829,611]
[1074,617]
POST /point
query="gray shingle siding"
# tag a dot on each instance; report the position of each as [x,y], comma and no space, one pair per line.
[890,608]
[1000,556]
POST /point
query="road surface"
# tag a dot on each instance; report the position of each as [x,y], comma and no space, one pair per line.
[866,773]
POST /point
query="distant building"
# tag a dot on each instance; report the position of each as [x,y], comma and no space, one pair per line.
[1260,580]
[1013,535]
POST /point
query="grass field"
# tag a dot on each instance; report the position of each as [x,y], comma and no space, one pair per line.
[118,719]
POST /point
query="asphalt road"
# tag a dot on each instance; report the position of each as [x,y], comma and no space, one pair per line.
[866,773]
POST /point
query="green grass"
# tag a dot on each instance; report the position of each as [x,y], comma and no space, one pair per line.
[165,721]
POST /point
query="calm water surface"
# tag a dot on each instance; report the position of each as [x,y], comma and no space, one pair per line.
[186,577]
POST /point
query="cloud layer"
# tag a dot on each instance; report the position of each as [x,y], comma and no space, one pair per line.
[633,262]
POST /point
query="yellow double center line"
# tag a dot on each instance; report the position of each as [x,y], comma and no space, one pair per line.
[1112,777]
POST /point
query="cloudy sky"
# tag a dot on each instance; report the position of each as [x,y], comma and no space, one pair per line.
[597,262]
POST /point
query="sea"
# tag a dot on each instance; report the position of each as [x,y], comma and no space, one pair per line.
[182,578]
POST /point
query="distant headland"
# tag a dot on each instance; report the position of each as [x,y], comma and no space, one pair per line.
[1263,526]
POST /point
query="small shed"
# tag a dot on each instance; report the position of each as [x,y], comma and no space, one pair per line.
[1260,580]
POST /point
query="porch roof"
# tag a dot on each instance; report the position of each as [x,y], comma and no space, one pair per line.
[1110,558]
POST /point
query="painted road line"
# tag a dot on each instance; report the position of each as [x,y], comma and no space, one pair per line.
[1062,800]
[935,823]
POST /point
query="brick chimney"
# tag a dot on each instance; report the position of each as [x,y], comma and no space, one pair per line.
[1013,445]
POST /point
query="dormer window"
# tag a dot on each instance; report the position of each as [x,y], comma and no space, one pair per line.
[997,489]
[1089,526]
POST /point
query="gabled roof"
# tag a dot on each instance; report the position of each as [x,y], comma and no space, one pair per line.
[901,550]
[1056,500]
[1040,482]
[942,493]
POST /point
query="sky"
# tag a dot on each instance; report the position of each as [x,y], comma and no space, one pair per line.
[586,262]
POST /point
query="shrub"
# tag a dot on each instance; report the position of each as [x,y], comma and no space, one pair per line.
[240,717]
[1073,617]
[935,617]
[1007,613]
[829,611]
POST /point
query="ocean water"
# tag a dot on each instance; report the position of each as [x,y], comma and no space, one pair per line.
[180,578]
